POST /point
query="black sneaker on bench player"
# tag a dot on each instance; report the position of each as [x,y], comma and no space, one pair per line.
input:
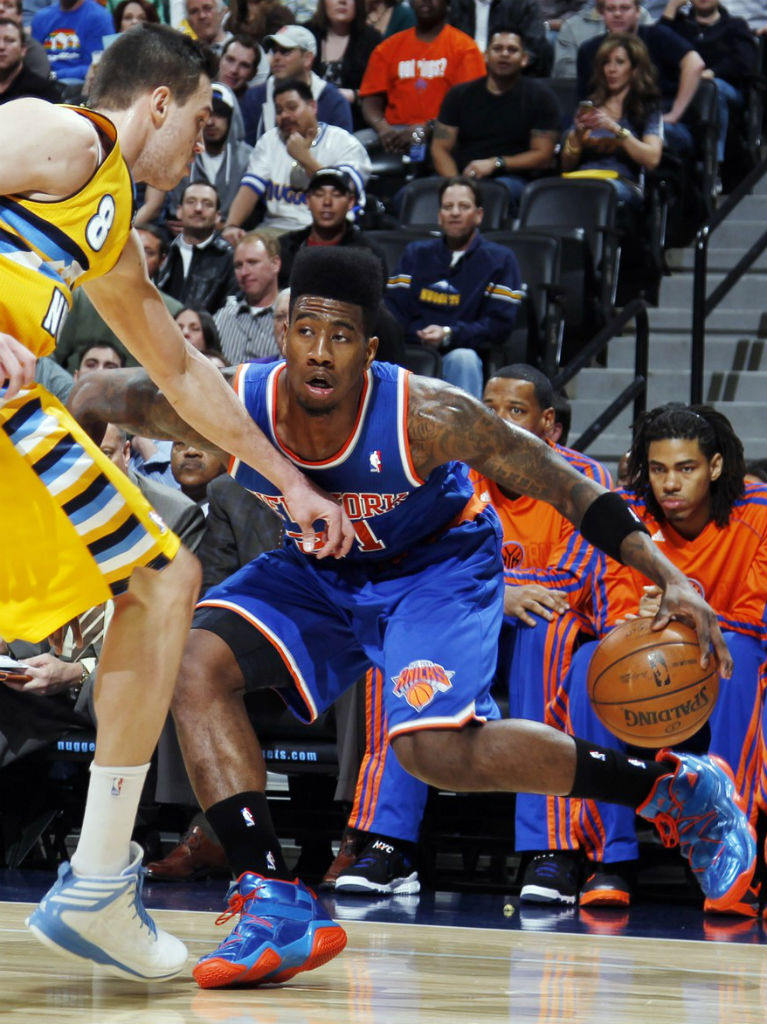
[382,867]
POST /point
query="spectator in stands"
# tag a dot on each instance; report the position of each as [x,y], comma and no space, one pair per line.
[101,356]
[686,484]
[286,157]
[481,20]
[221,163]
[155,246]
[199,329]
[621,131]
[330,198]
[409,74]
[71,32]
[198,268]
[502,126]
[292,52]
[35,57]
[585,24]
[389,16]
[678,66]
[206,21]
[458,293]
[727,47]
[16,80]
[240,69]
[344,44]
[193,470]
[133,12]
[245,323]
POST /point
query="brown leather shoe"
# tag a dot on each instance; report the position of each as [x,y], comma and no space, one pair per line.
[196,856]
[352,842]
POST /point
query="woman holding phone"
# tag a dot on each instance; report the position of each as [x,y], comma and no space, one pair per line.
[618,131]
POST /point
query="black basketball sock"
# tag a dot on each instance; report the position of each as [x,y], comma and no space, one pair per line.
[243,824]
[602,773]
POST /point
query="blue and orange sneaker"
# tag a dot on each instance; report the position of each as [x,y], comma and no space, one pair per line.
[696,806]
[282,930]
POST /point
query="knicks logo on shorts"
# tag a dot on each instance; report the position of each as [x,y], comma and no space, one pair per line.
[420,682]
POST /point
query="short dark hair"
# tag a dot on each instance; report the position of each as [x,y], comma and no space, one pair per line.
[544,392]
[507,30]
[156,232]
[147,57]
[294,85]
[563,414]
[711,430]
[248,42]
[207,184]
[346,274]
[461,179]
[18,26]
[102,344]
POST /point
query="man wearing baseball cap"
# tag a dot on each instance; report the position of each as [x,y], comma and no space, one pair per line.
[291,53]
[330,196]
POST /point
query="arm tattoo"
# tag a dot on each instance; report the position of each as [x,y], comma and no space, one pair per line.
[129,399]
[446,424]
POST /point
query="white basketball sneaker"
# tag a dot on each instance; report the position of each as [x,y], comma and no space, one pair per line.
[102,920]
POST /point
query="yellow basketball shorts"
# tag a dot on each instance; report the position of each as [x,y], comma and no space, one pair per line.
[72,525]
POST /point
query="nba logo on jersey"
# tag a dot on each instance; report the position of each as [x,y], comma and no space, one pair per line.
[247,815]
[420,682]
[117,785]
[375,461]
[271,863]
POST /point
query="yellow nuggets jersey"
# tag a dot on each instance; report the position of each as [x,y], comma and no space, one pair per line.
[72,526]
[49,248]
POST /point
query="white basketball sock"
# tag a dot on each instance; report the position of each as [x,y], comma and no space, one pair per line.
[110,814]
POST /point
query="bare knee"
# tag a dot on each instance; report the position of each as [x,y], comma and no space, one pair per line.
[170,591]
[208,672]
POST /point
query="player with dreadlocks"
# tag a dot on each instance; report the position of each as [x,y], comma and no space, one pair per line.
[686,483]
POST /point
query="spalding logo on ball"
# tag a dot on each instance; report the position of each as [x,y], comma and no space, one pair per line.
[648,687]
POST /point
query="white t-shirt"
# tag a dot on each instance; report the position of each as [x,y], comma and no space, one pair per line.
[269,173]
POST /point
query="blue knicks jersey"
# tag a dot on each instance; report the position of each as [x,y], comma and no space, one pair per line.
[390,507]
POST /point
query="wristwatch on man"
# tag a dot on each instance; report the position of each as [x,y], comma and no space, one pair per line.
[499,164]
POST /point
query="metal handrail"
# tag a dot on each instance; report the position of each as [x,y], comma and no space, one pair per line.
[635,310]
[702,304]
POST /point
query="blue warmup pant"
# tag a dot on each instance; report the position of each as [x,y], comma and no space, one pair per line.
[607,831]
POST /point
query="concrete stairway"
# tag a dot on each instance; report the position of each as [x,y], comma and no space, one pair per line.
[735,379]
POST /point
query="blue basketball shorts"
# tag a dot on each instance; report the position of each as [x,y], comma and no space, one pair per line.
[429,620]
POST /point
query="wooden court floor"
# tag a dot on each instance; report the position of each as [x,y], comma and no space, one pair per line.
[410,973]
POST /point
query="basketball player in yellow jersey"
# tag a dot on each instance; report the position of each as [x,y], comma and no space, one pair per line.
[72,534]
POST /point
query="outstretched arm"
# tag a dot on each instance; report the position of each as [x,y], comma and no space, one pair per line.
[446,424]
[132,307]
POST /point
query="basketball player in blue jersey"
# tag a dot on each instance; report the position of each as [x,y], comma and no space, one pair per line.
[420,596]
[74,532]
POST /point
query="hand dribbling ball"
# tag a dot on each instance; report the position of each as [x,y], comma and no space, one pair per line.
[648,687]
